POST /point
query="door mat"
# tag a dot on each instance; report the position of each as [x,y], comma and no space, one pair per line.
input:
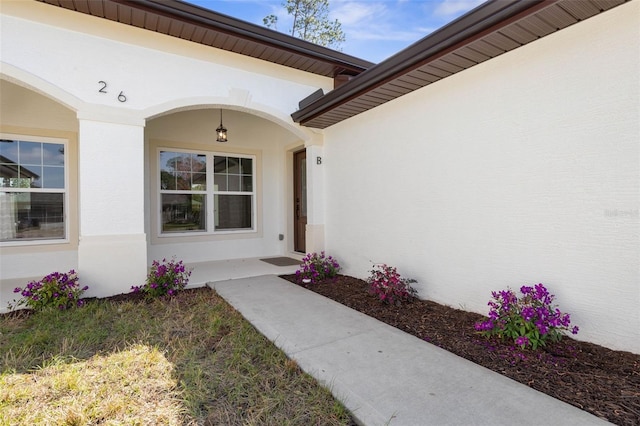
[281,261]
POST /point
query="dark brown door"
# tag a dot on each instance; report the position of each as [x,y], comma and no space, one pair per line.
[300,200]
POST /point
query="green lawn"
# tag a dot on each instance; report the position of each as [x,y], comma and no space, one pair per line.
[189,360]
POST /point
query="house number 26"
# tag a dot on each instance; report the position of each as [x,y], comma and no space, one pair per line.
[103,89]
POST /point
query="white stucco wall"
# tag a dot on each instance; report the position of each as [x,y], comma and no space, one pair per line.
[73,51]
[65,55]
[521,170]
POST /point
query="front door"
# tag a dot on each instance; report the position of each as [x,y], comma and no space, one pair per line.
[300,200]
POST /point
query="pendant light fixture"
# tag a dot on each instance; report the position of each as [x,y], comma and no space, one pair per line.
[221,131]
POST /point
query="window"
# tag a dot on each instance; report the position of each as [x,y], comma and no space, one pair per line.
[233,189]
[32,190]
[206,192]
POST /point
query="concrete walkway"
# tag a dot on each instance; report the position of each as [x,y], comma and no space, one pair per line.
[381,374]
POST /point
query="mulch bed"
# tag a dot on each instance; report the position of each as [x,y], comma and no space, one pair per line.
[596,379]
[601,381]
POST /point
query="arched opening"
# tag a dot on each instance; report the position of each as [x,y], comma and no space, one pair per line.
[38,186]
[207,200]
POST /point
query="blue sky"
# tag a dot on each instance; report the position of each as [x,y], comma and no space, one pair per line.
[375,29]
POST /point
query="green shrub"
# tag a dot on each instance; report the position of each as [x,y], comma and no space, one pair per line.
[387,285]
[164,279]
[57,290]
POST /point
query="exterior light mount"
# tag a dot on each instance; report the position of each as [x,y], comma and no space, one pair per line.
[221,131]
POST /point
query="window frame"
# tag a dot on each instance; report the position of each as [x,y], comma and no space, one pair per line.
[65,191]
[209,193]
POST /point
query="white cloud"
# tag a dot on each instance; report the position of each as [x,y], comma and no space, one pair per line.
[450,8]
[354,13]
[367,20]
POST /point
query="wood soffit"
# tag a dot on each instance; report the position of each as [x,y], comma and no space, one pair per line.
[199,25]
[493,28]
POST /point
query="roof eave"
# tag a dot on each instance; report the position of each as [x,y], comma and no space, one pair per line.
[485,17]
[249,31]
[180,19]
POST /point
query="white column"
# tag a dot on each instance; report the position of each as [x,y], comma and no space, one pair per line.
[112,251]
[315,197]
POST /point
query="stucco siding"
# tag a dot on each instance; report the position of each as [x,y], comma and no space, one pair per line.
[106,82]
[150,69]
[523,169]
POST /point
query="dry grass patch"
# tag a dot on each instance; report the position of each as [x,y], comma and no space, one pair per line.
[134,386]
[189,360]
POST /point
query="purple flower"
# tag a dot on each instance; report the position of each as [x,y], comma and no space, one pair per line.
[542,327]
[528,313]
[522,341]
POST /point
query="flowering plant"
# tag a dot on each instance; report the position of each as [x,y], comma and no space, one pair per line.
[164,279]
[317,267]
[59,290]
[386,283]
[529,321]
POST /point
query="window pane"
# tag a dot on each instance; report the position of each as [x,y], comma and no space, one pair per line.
[233,212]
[247,184]
[8,162]
[199,163]
[183,171]
[220,164]
[30,153]
[21,164]
[8,175]
[31,216]
[220,182]
[8,151]
[53,154]
[183,212]
[234,183]
[233,165]
[33,174]
[167,178]
[53,177]
[181,166]
[183,180]
[233,174]
[247,166]
[199,181]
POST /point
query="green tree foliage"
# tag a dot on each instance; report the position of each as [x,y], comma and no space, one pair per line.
[311,22]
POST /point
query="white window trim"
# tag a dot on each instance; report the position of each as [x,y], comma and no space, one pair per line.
[65,190]
[209,195]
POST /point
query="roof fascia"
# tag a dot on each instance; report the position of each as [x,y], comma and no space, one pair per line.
[488,16]
[197,15]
